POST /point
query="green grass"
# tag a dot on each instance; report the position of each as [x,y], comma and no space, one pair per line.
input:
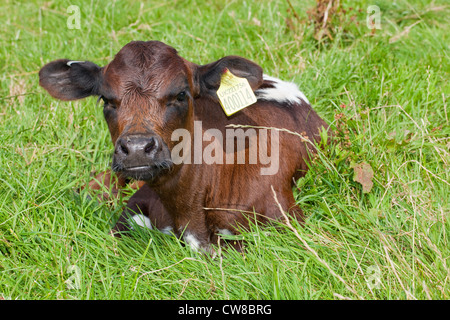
[396,118]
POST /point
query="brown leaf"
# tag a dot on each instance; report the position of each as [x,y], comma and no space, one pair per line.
[363,175]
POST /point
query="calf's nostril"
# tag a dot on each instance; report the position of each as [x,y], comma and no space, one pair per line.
[123,148]
[150,145]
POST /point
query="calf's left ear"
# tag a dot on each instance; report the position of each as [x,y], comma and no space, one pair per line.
[209,75]
[70,80]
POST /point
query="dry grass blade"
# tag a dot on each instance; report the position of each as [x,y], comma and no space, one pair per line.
[402,34]
[408,294]
[288,223]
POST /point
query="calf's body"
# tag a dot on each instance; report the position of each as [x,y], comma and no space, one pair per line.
[206,173]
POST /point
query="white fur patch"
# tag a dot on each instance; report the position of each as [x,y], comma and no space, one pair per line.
[69,63]
[167,230]
[282,91]
[142,221]
[225,232]
[192,241]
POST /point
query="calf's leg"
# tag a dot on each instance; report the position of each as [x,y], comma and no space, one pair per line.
[147,210]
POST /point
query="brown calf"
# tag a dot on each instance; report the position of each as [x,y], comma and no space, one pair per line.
[203,176]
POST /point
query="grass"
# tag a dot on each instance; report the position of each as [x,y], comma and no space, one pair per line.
[384,93]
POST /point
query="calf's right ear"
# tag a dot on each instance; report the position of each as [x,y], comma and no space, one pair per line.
[70,80]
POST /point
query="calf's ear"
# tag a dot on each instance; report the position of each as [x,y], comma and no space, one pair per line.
[70,80]
[209,75]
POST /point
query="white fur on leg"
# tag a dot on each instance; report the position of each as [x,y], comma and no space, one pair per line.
[224,232]
[167,230]
[142,221]
[192,241]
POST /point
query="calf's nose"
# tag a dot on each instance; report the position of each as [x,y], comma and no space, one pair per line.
[136,147]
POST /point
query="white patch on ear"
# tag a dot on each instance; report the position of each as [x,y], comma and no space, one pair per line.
[142,221]
[69,63]
[282,91]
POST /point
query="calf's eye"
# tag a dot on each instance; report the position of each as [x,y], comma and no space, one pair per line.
[106,102]
[181,96]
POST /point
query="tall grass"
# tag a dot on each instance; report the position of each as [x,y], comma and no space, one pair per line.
[385,95]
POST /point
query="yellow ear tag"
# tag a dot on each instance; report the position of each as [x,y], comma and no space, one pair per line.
[234,93]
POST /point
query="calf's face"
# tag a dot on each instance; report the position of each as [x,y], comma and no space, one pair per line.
[148,91]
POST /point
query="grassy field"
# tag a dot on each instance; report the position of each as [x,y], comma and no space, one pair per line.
[385,92]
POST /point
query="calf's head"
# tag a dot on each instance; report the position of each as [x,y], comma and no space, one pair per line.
[148,91]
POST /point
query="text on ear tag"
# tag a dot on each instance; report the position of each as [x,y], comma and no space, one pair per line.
[234,93]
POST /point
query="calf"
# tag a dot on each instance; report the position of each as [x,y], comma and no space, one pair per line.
[169,130]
